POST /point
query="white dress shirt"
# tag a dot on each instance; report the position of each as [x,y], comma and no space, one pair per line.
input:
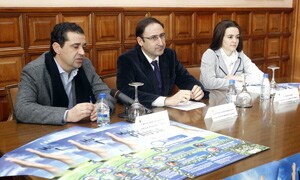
[160,101]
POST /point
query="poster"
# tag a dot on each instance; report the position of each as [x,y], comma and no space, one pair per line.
[118,151]
[287,168]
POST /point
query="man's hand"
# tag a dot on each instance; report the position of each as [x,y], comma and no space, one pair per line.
[197,93]
[93,116]
[79,112]
[180,97]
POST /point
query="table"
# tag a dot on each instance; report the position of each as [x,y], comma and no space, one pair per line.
[265,123]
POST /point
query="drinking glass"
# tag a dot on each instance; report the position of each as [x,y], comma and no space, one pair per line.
[273,83]
[243,98]
[136,109]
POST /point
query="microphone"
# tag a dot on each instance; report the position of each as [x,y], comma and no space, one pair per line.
[117,94]
[122,97]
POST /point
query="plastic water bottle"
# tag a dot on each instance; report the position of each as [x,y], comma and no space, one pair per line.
[265,88]
[231,92]
[103,116]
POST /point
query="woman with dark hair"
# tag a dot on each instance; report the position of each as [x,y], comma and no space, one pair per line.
[225,59]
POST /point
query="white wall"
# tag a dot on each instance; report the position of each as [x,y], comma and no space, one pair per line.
[147,3]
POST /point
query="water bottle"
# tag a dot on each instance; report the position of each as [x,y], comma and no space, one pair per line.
[231,92]
[265,88]
[103,116]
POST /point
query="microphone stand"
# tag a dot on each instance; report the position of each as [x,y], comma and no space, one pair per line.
[125,113]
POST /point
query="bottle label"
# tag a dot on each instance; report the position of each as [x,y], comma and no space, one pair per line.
[103,119]
[230,98]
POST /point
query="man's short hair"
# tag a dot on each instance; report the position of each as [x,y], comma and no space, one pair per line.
[140,27]
[59,33]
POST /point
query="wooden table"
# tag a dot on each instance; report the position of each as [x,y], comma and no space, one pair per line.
[266,124]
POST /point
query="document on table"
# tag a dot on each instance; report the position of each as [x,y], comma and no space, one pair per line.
[189,105]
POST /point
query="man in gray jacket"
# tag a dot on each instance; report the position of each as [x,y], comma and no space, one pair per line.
[60,86]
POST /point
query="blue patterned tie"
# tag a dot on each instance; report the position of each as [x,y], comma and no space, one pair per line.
[157,74]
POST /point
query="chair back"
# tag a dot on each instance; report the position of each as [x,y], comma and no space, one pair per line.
[194,71]
[110,80]
[11,95]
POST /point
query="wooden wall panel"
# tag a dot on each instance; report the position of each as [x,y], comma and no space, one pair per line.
[104,57]
[130,22]
[273,48]
[260,64]
[39,29]
[166,19]
[25,35]
[200,49]
[287,23]
[204,25]
[285,48]
[108,28]
[84,21]
[258,48]
[183,26]
[275,23]
[259,23]
[246,46]
[10,69]
[224,16]
[184,52]
[284,71]
[243,19]
[10,34]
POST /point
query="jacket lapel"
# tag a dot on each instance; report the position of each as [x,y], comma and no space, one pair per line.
[222,66]
[165,74]
[147,69]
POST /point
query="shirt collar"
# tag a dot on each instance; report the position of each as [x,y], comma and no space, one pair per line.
[233,54]
[149,59]
[72,74]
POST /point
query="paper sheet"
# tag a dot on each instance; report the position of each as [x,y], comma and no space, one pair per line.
[189,105]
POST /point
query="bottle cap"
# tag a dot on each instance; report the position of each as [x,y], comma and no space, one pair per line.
[102,96]
[231,81]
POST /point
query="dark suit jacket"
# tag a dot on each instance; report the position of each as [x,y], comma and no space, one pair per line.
[134,67]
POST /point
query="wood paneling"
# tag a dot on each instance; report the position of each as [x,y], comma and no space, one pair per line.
[275,23]
[10,69]
[108,28]
[258,48]
[243,19]
[166,19]
[183,51]
[84,21]
[183,26]
[104,57]
[25,35]
[10,26]
[200,49]
[130,22]
[273,48]
[204,25]
[285,48]
[39,29]
[259,23]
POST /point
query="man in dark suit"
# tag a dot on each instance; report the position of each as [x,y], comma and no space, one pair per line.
[60,86]
[138,65]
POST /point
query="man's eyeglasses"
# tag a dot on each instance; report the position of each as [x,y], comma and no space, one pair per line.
[162,36]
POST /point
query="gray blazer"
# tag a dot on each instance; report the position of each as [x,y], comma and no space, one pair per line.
[213,70]
[34,99]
